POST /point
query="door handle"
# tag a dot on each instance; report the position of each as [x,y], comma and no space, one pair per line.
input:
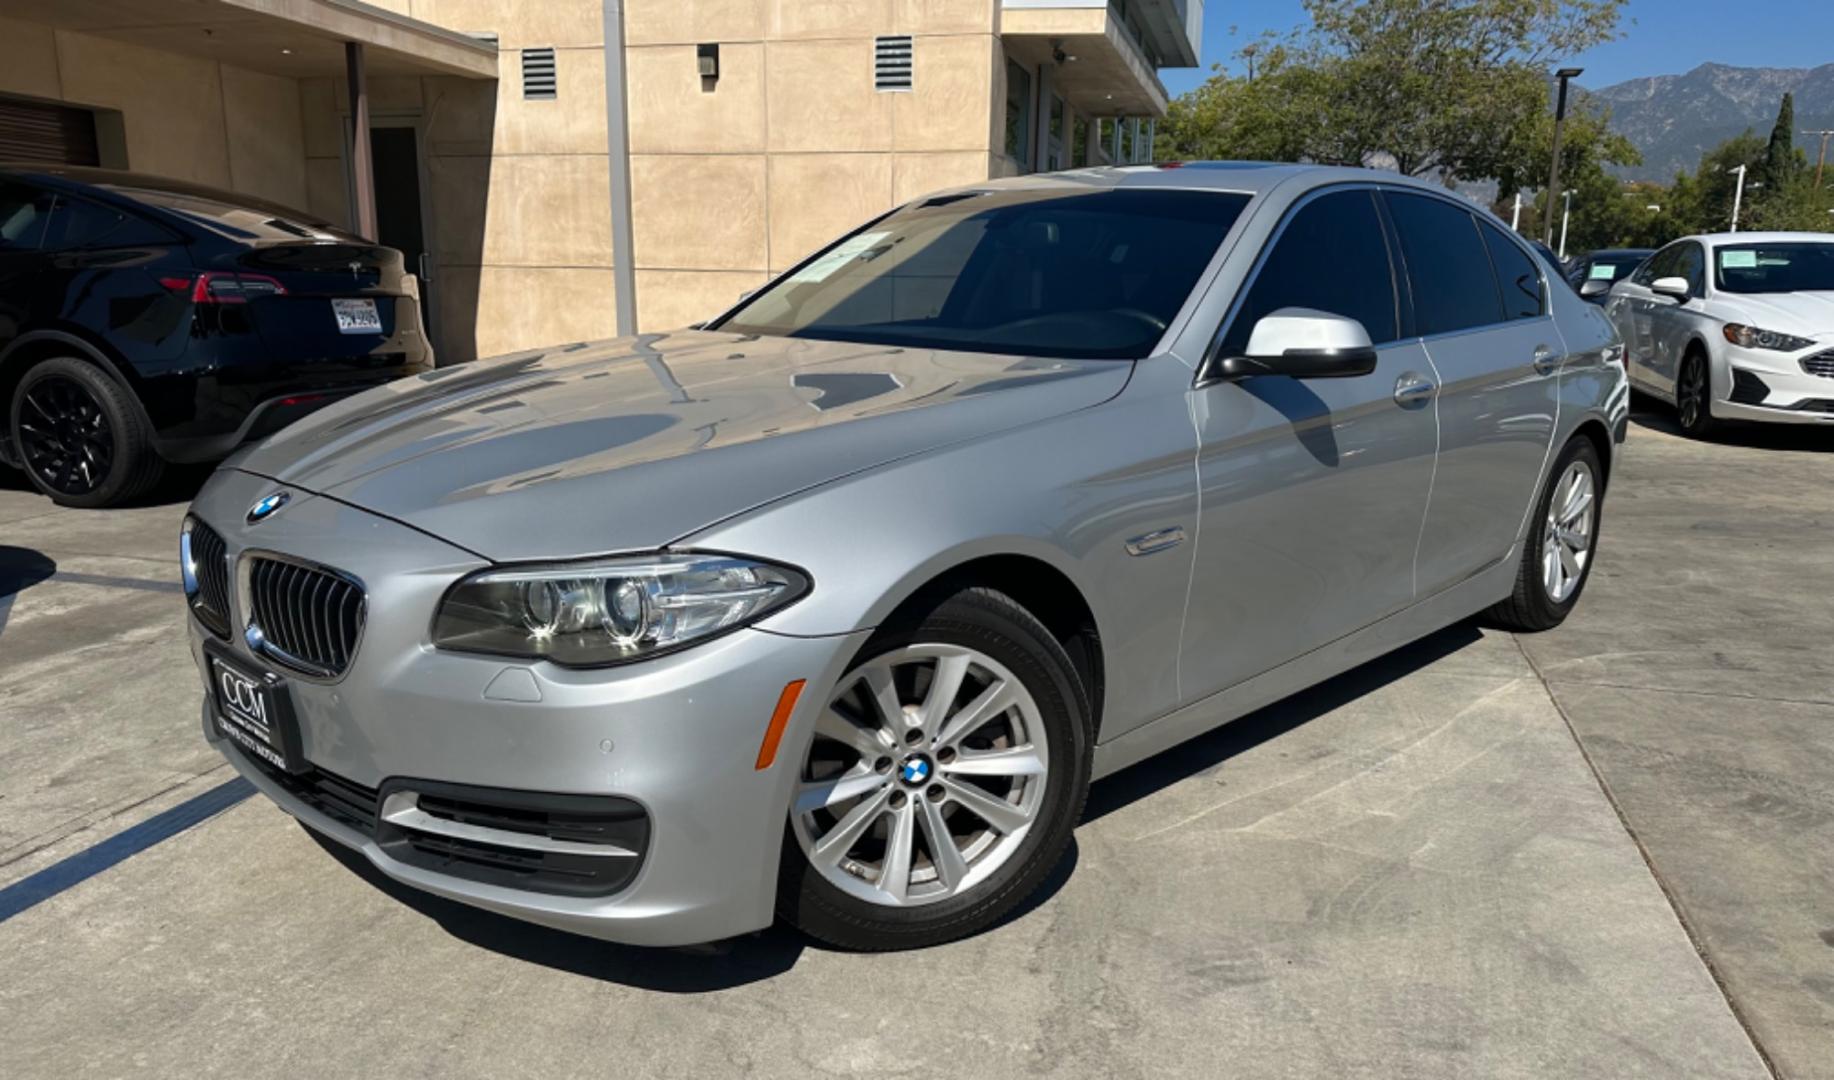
[1546,360]
[1413,389]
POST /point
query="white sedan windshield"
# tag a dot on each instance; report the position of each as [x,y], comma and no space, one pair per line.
[1775,268]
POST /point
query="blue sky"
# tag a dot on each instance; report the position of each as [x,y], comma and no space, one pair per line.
[1661,36]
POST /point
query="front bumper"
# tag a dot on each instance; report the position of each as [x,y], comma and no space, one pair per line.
[1772,387]
[678,736]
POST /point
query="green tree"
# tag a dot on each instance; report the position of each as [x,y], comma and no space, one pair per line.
[1780,153]
[1429,87]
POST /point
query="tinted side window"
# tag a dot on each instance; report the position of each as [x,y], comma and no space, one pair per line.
[78,223]
[1691,264]
[23,213]
[1660,264]
[1454,288]
[1332,256]
[1516,274]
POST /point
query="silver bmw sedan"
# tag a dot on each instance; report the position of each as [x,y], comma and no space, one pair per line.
[832,608]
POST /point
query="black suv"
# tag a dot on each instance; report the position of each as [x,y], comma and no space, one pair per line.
[145,321]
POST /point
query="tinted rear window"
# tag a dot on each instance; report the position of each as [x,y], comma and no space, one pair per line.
[251,220]
[1092,274]
[1517,275]
[1453,286]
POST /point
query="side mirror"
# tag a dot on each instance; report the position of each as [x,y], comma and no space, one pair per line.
[1593,288]
[1303,344]
[1675,288]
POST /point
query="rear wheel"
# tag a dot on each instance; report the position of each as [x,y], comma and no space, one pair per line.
[79,437]
[1557,560]
[942,783]
[1694,395]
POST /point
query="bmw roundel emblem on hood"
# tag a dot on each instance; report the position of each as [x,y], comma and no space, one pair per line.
[268,505]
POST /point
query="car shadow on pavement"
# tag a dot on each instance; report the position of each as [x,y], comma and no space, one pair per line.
[717,966]
[1812,437]
[1207,752]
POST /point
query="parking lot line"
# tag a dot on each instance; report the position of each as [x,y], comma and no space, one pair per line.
[85,864]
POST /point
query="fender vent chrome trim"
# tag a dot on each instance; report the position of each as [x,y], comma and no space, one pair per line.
[402,809]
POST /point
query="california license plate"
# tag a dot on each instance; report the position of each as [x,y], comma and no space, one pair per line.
[254,712]
[357,316]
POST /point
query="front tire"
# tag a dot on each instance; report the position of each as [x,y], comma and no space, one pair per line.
[943,780]
[1694,395]
[79,437]
[1557,560]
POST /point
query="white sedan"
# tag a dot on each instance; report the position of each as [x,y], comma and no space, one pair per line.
[1733,326]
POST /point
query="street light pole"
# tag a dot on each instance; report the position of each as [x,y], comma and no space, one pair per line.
[1821,159]
[1515,219]
[1738,196]
[1565,212]
[1553,173]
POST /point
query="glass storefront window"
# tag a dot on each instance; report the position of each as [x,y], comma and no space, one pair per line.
[1018,114]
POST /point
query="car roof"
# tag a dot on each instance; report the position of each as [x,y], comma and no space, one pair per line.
[1626,252]
[122,184]
[1720,238]
[1249,177]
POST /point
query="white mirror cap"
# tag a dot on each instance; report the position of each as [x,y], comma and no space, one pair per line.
[1676,285]
[1304,328]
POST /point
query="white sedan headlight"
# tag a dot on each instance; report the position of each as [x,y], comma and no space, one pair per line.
[610,611]
[1751,337]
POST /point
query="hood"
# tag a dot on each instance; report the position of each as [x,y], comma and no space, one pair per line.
[627,445]
[1805,314]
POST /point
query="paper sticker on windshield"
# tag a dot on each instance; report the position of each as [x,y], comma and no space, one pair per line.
[1603,271]
[1738,260]
[844,252]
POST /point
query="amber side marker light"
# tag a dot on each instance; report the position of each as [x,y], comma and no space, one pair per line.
[780,718]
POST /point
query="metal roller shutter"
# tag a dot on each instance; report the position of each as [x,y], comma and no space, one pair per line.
[41,132]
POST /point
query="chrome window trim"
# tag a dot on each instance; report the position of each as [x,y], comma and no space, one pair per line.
[1254,273]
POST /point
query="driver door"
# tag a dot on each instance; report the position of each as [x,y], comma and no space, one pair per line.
[1313,491]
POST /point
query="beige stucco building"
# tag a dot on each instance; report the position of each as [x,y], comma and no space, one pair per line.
[755,129]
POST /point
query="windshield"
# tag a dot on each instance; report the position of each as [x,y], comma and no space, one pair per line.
[1089,274]
[1775,268]
[1612,267]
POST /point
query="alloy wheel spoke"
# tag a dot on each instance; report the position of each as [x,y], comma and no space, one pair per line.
[847,832]
[895,872]
[884,694]
[1017,761]
[996,699]
[1001,815]
[945,684]
[829,723]
[1569,566]
[947,858]
[821,794]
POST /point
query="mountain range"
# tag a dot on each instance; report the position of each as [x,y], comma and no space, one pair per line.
[1673,119]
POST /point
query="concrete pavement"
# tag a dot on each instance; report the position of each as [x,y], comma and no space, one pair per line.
[1412,870]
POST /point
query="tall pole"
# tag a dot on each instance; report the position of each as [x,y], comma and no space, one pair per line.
[1738,196]
[1515,219]
[362,169]
[617,147]
[1822,158]
[1553,172]
[1566,211]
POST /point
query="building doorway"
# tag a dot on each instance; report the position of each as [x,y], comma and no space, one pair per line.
[401,220]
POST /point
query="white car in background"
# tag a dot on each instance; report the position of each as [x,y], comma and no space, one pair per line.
[1733,326]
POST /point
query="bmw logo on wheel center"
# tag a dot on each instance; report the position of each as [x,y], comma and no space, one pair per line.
[915,770]
[268,505]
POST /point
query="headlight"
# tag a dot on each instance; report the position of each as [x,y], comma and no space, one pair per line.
[611,611]
[1751,337]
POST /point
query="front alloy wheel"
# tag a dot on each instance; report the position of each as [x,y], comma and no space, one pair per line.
[1693,396]
[942,779]
[925,775]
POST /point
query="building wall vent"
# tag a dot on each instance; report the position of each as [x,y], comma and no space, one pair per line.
[538,74]
[891,62]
